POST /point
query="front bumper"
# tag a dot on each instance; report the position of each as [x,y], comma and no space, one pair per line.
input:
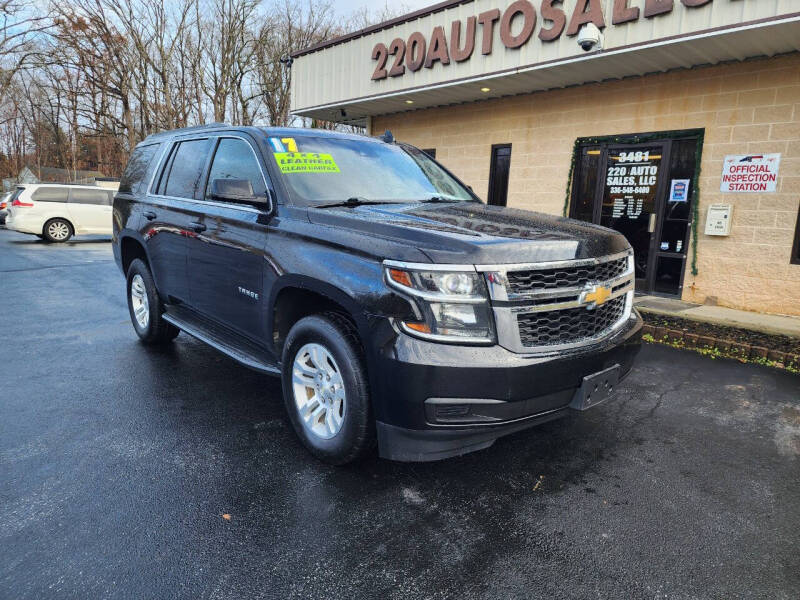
[435,401]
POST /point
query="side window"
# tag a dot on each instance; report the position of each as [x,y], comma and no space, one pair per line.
[185,168]
[138,170]
[161,187]
[50,194]
[98,197]
[234,159]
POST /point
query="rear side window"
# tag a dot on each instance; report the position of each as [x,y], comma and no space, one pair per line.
[50,194]
[98,197]
[139,169]
[182,174]
[234,159]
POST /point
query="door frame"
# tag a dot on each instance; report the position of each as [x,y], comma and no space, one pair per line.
[644,139]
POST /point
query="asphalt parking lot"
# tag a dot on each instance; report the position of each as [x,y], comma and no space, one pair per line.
[117,464]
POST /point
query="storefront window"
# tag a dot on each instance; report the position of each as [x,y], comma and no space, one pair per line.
[796,246]
[585,183]
[668,275]
[499,173]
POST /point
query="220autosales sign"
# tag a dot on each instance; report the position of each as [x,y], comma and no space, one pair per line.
[750,173]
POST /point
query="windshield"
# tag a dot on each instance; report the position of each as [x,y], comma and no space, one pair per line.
[320,170]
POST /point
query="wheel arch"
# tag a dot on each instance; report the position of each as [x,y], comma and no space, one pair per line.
[132,246]
[298,296]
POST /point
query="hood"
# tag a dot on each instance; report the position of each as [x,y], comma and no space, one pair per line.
[474,233]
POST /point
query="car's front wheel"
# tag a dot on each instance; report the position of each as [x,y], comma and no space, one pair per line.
[57,230]
[325,388]
[146,308]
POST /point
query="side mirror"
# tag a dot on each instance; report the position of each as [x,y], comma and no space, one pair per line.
[234,190]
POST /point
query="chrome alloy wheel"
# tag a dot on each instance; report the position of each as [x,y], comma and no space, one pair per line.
[318,389]
[58,230]
[139,301]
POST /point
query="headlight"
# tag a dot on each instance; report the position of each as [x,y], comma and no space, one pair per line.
[453,305]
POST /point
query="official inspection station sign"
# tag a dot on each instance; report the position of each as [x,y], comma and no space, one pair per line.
[744,173]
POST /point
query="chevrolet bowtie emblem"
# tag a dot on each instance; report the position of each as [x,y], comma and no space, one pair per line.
[596,296]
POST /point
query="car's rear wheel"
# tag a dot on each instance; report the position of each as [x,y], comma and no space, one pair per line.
[57,231]
[146,308]
[325,388]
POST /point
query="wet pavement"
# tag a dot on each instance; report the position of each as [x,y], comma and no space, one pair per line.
[117,464]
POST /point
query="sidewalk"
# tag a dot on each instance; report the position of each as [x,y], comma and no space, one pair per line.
[719,315]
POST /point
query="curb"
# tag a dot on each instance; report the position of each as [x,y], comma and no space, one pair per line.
[728,348]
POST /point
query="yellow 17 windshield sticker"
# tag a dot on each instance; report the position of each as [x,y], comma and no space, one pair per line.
[306,162]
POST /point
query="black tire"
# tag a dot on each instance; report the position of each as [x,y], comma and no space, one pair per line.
[57,231]
[338,336]
[156,331]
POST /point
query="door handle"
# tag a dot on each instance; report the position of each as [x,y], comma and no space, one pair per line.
[651,227]
[197,226]
[149,215]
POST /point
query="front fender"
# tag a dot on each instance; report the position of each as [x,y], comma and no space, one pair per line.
[322,288]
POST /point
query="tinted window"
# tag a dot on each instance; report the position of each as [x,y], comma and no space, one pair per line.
[97,197]
[186,168]
[161,188]
[137,172]
[16,194]
[234,159]
[50,194]
[584,186]
[498,174]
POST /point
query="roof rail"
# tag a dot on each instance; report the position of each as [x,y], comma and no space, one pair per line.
[161,134]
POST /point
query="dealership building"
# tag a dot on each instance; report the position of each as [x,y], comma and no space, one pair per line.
[675,122]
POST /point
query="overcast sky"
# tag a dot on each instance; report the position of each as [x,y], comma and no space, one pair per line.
[346,7]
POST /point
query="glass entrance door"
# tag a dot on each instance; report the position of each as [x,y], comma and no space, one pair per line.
[630,201]
[644,191]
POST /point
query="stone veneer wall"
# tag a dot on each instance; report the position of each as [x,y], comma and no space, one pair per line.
[747,107]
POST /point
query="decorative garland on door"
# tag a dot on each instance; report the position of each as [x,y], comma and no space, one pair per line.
[640,139]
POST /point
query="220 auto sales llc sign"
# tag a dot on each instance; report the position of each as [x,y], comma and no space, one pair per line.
[750,172]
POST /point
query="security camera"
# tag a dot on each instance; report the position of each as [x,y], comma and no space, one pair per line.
[590,38]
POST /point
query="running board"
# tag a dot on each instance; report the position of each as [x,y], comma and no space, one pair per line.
[221,339]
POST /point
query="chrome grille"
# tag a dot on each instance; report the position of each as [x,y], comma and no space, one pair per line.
[548,307]
[547,328]
[526,282]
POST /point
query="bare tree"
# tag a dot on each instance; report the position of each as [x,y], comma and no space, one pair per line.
[102,74]
[292,27]
[18,25]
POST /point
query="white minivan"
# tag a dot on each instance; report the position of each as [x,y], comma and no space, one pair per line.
[56,212]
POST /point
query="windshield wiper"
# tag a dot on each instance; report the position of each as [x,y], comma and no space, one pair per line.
[439,199]
[355,201]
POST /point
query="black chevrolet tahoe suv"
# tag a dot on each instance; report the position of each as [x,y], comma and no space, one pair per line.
[397,308]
